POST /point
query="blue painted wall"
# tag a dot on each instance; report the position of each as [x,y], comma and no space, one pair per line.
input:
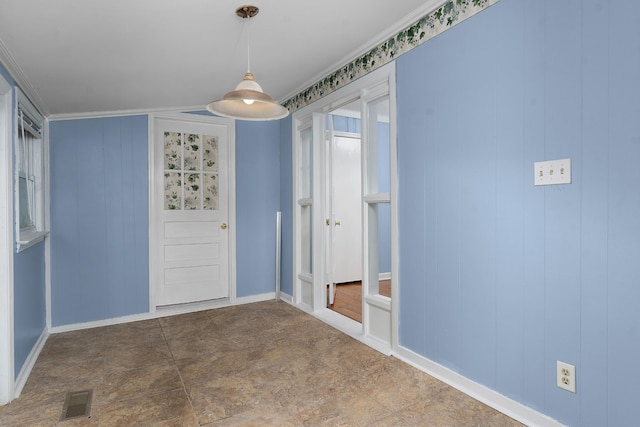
[99,219]
[286,205]
[499,279]
[99,215]
[257,202]
[345,124]
[29,303]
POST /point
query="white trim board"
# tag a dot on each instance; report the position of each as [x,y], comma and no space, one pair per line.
[286,298]
[492,398]
[164,312]
[7,370]
[132,112]
[20,77]
[352,328]
[30,361]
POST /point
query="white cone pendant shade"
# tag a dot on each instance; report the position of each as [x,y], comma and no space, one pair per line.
[248,102]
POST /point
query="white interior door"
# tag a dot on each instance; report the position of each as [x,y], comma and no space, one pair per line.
[347,209]
[191,207]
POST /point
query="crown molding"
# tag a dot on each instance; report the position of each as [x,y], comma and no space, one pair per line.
[119,113]
[20,78]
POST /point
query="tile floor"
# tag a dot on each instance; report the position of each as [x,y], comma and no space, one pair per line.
[262,364]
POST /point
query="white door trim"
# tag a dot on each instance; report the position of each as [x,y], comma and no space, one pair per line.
[231,168]
[366,88]
[7,368]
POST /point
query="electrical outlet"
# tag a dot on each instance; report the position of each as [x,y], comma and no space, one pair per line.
[566,376]
[552,172]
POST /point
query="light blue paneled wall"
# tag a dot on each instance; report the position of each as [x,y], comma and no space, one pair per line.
[500,279]
[29,302]
[286,205]
[29,310]
[257,202]
[99,215]
[345,124]
[99,219]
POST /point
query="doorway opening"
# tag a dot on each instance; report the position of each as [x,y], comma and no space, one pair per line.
[345,207]
[345,226]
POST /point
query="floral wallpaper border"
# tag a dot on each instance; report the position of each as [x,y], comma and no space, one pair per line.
[444,17]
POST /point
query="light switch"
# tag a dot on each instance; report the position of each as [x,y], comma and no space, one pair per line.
[552,172]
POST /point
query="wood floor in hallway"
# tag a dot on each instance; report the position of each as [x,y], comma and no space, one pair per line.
[348,298]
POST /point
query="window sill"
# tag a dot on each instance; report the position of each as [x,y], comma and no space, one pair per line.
[30,239]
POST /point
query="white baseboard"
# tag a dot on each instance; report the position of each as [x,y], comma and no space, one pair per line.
[255,298]
[507,406]
[23,376]
[286,297]
[171,310]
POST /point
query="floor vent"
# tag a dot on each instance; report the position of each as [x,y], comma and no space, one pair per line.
[77,404]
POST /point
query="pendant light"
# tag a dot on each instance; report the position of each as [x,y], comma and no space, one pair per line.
[248,101]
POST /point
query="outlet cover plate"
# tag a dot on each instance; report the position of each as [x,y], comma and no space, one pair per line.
[566,376]
[552,172]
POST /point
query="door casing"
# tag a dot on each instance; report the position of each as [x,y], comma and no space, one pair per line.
[380,316]
[7,370]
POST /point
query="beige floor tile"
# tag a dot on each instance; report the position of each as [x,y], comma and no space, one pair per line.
[227,397]
[84,342]
[147,410]
[206,344]
[122,358]
[124,385]
[267,416]
[183,326]
[144,333]
[262,364]
[197,370]
[33,407]
[58,371]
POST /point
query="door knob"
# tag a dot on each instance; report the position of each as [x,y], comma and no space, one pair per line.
[337,223]
[328,221]
[223,226]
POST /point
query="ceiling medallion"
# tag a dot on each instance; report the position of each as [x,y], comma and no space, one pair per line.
[247,11]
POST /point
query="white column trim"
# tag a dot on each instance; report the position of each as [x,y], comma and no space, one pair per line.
[7,367]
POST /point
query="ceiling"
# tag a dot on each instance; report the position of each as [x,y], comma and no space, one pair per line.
[81,57]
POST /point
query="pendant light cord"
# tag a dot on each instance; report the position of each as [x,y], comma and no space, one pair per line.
[248,47]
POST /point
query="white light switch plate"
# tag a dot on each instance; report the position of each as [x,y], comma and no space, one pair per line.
[552,172]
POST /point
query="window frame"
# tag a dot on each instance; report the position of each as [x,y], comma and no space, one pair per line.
[26,116]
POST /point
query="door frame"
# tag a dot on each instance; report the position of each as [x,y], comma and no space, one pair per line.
[153,217]
[7,368]
[366,89]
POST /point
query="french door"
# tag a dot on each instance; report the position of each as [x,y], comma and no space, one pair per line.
[320,173]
